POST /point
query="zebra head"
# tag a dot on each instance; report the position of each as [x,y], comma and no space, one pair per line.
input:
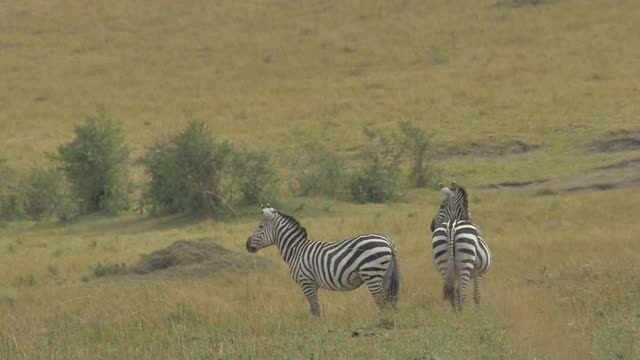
[447,191]
[459,198]
[264,235]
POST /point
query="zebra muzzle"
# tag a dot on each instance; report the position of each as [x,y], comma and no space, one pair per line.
[250,248]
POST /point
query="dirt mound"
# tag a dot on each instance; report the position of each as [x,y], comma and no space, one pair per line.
[195,256]
[621,140]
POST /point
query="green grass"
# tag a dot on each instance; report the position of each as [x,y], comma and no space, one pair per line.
[275,75]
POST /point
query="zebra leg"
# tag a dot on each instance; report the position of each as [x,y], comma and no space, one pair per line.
[377,291]
[461,290]
[311,292]
[451,299]
[476,289]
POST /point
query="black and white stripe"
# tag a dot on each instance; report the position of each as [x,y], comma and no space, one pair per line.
[460,253]
[455,205]
[369,259]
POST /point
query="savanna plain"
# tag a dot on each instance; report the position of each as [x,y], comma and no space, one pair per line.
[533,106]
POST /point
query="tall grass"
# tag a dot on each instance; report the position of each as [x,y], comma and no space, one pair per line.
[551,293]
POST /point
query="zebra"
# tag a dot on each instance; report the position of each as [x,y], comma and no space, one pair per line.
[459,252]
[455,205]
[345,265]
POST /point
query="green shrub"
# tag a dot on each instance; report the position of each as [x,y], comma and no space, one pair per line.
[11,203]
[43,193]
[182,167]
[375,183]
[319,172]
[95,163]
[418,144]
[250,173]
[46,194]
[379,180]
[24,281]
[108,269]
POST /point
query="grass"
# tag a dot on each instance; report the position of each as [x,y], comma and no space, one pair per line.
[550,294]
[275,75]
[284,70]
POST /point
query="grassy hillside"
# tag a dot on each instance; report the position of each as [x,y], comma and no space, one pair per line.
[481,75]
[284,70]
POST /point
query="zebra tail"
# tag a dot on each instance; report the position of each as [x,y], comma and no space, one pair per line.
[449,288]
[391,281]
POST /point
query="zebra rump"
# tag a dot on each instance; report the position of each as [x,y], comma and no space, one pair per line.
[459,253]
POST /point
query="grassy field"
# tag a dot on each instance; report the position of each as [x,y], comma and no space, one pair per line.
[275,75]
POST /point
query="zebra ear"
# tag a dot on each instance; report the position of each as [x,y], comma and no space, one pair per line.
[447,191]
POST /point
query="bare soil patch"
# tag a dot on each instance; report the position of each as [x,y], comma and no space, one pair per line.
[621,140]
[613,176]
[512,184]
[486,149]
[193,257]
[522,3]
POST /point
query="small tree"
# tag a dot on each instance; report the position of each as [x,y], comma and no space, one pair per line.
[183,167]
[379,180]
[47,195]
[12,205]
[43,193]
[318,172]
[95,163]
[250,173]
[418,144]
[375,183]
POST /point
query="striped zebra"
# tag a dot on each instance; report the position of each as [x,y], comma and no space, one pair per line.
[455,206]
[459,253]
[345,265]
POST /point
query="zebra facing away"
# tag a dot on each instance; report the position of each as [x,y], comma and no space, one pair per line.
[455,205]
[459,253]
[345,265]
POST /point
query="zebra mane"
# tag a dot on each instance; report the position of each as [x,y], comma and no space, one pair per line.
[294,222]
[465,201]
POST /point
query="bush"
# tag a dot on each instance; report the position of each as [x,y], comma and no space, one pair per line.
[379,180]
[418,144]
[24,281]
[44,193]
[375,183]
[183,167]
[108,269]
[11,203]
[319,172]
[95,163]
[250,173]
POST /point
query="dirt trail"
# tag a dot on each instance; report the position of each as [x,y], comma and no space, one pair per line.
[614,176]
